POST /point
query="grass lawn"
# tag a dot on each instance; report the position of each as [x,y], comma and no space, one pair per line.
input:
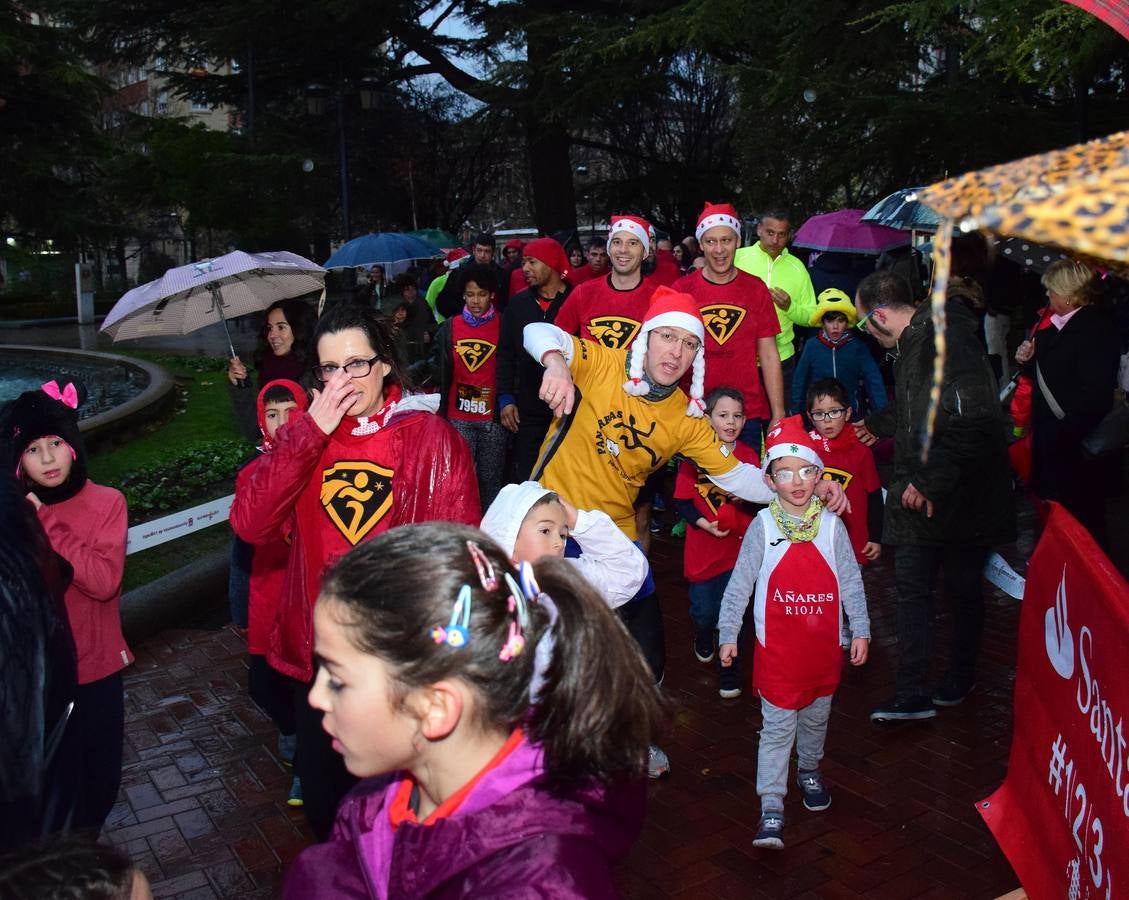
[204,414]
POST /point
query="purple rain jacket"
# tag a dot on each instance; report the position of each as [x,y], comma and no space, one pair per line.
[510,837]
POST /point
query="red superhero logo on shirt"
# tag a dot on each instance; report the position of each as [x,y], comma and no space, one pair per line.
[356,496]
[474,352]
[613,331]
[722,320]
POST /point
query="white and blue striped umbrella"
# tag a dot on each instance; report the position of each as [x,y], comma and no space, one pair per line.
[199,294]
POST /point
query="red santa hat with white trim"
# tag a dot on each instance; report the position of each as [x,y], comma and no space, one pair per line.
[670,309]
[714,214]
[791,438]
[633,225]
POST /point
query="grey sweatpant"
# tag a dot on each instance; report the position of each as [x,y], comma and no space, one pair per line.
[807,728]
[487,442]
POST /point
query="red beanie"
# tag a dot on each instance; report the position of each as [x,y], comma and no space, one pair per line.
[714,214]
[548,251]
[513,244]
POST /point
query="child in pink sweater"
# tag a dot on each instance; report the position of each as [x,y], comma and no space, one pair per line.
[86,524]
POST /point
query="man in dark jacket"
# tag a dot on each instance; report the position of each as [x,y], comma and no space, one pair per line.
[519,378]
[948,510]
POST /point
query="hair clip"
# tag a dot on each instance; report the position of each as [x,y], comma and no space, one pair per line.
[486,573]
[529,585]
[515,605]
[456,634]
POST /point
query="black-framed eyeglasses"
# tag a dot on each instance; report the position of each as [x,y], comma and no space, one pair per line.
[818,415]
[355,368]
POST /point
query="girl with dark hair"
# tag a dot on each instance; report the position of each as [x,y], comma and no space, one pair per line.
[367,455]
[504,727]
[86,525]
[284,344]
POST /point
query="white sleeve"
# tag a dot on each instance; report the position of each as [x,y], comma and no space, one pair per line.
[541,338]
[745,481]
[608,560]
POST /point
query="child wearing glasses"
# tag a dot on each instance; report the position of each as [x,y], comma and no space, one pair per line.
[837,352]
[799,560]
[850,462]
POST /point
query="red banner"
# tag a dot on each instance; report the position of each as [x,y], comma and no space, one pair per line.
[1062,814]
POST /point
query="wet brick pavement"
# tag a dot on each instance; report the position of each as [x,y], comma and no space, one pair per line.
[202,807]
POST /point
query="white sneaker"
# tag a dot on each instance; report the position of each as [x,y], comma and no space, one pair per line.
[658,763]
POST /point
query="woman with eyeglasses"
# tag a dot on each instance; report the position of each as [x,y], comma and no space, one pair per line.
[368,455]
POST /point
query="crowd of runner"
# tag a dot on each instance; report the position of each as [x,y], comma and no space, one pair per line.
[499,692]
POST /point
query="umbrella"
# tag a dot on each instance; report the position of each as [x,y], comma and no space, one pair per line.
[1113,12]
[1031,256]
[1075,199]
[437,237]
[903,210]
[380,248]
[843,232]
[190,297]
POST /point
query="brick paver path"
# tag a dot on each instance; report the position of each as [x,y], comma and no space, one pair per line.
[203,811]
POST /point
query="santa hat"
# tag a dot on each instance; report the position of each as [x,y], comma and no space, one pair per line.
[833,300]
[790,438]
[670,309]
[454,258]
[633,225]
[714,214]
[548,251]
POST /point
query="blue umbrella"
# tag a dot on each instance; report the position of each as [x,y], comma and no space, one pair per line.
[381,249]
[903,210]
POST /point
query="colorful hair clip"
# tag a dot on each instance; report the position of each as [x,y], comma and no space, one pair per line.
[515,605]
[456,634]
[486,573]
[529,585]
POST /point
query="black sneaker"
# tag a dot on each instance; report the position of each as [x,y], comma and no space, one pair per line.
[770,831]
[816,796]
[951,692]
[703,645]
[729,682]
[904,709]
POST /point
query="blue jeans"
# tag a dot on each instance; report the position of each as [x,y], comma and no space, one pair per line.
[705,599]
[752,434]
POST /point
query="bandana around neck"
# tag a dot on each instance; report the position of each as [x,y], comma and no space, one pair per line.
[802,531]
[474,321]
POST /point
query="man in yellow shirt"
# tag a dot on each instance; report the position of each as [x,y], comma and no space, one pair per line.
[788,282]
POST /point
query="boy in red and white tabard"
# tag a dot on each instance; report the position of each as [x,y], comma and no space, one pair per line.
[850,462]
[799,558]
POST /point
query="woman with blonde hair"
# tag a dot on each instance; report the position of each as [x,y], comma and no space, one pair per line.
[1074,366]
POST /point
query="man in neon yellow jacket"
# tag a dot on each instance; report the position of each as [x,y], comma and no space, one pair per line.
[788,282]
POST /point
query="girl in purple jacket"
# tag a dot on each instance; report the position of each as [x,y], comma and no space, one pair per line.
[502,726]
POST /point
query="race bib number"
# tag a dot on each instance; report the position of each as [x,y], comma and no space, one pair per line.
[473,400]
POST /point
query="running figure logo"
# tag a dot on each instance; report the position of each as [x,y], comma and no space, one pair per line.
[722,320]
[474,353]
[356,495]
[844,478]
[613,331]
[633,438]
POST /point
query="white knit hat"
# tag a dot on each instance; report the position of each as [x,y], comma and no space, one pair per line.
[670,309]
